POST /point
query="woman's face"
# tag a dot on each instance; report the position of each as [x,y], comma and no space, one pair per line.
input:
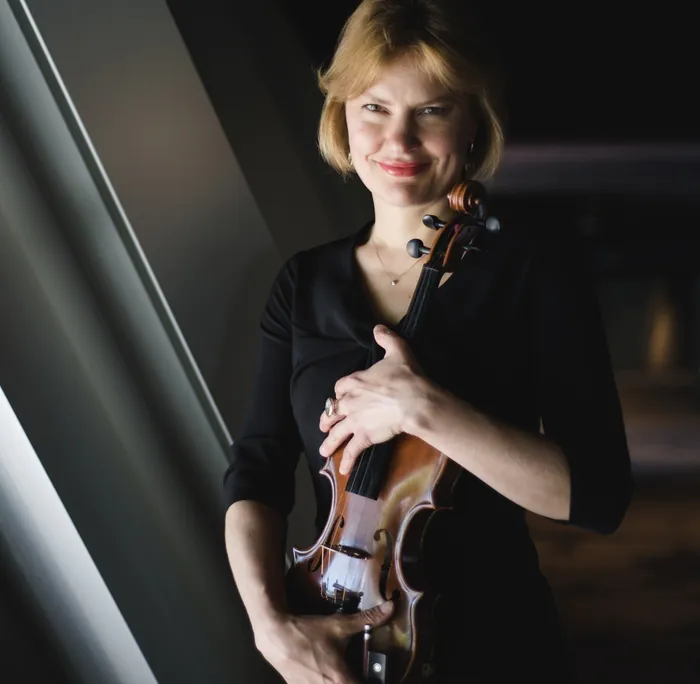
[408,139]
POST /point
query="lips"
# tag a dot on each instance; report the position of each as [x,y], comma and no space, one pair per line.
[403,168]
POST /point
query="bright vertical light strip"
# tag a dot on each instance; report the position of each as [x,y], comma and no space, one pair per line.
[46,549]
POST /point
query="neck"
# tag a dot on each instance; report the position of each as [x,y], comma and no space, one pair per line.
[395,226]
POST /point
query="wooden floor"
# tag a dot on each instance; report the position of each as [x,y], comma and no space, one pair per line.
[632,600]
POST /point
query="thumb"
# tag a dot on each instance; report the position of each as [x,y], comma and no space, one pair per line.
[386,338]
[375,617]
[394,344]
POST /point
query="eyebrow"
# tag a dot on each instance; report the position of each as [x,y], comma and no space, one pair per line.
[445,97]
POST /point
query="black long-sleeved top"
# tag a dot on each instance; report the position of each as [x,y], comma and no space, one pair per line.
[516,331]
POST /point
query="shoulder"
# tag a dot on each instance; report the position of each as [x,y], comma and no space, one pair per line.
[331,252]
[312,257]
[329,261]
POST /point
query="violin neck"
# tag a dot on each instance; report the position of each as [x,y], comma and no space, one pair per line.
[427,285]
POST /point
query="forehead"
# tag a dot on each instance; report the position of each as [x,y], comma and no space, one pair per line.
[404,80]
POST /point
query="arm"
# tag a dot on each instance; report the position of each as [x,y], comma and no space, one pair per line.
[259,482]
[579,471]
[254,543]
[526,468]
[259,489]
[303,649]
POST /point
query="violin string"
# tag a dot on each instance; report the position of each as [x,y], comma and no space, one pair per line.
[356,522]
[350,534]
[364,461]
[362,464]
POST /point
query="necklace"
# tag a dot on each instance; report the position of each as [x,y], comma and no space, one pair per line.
[393,281]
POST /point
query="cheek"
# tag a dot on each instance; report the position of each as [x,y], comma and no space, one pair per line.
[449,142]
[364,136]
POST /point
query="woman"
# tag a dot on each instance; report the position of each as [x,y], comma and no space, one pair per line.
[514,343]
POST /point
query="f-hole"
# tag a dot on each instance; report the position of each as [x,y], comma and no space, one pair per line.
[386,565]
[337,524]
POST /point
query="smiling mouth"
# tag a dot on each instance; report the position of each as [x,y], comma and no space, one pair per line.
[404,169]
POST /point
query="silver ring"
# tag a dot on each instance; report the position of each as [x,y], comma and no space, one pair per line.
[331,405]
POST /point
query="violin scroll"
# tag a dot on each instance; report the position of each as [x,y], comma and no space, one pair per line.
[470,198]
[466,197]
[469,201]
[460,234]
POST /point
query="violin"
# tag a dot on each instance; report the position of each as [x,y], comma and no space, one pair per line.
[372,547]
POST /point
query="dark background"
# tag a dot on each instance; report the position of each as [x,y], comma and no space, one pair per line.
[578,71]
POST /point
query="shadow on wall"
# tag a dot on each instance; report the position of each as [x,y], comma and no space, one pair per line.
[233,379]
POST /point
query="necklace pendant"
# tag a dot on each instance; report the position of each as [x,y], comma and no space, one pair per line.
[393,282]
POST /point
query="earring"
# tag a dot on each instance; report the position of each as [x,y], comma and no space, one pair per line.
[471,149]
[350,158]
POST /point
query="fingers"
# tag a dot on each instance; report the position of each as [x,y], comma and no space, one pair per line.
[352,450]
[311,652]
[395,345]
[326,422]
[336,438]
[348,383]
[386,338]
[391,342]
[340,434]
[347,625]
[377,615]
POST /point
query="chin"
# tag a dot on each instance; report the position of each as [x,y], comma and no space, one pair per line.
[406,194]
[399,197]
[417,190]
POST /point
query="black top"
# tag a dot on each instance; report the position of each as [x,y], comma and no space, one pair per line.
[516,331]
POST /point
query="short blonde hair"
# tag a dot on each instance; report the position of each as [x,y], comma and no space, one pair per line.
[444,43]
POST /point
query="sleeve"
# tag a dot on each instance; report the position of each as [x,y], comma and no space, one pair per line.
[578,398]
[266,452]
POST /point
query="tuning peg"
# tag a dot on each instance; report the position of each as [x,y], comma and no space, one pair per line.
[493,225]
[433,222]
[416,248]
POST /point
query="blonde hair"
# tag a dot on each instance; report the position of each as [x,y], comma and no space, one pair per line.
[444,43]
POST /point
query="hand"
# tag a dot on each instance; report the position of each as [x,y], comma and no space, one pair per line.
[376,404]
[310,649]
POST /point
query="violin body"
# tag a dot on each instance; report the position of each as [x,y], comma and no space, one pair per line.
[373,550]
[377,542]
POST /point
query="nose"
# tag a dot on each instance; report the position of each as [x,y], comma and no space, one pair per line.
[401,135]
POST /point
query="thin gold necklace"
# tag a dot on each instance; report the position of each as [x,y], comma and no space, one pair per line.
[393,281]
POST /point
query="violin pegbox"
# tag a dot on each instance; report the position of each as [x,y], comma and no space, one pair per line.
[458,236]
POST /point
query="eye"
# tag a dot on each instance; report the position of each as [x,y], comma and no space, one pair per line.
[434,111]
[372,107]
